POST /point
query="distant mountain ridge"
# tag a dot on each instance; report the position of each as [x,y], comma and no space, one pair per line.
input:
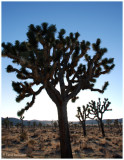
[45,122]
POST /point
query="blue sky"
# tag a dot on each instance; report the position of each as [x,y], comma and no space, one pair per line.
[92,20]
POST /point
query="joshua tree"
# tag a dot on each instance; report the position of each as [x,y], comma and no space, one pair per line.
[40,125]
[116,123]
[82,117]
[34,125]
[109,123]
[55,124]
[47,60]
[18,125]
[29,124]
[22,125]
[11,124]
[98,110]
[6,123]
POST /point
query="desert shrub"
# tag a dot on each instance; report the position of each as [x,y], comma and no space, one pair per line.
[120,146]
[15,141]
[74,136]
[29,151]
[108,154]
[77,150]
[31,142]
[30,148]
[57,138]
[75,142]
[46,155]
[49,144]
[43,131]
[23,136]
[109,139]
[54,136]
[36,134]
[6,141]
[86,146]
[116,156]
[57,149]
[47,140]
[103,150]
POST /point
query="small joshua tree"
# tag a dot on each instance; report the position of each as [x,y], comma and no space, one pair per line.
[40,125]
[109,123]
[98,110]
[34,125]
[6,123]
[55,124]
[22,125]
[118,125]
[82,117]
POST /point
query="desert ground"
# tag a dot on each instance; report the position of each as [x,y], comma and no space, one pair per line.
[44,142]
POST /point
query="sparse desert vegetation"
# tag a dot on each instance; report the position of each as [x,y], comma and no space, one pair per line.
[44,142]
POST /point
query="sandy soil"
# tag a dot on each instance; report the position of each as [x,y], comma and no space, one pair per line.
[44,143]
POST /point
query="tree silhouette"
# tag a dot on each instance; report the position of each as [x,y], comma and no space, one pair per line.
[82,116]
[98,110]
[34,125]
[40,125]
[109,123]
[47,60]
[6,123]
[29,124]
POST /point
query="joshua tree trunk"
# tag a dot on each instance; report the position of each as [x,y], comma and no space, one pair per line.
[22,126]
[84,128]
[65,145]
[102,128]
[98,124]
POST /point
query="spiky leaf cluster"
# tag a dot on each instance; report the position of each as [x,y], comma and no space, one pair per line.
[84,114]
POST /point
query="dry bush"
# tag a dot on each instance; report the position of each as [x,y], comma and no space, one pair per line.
[23,136]
[57,151]
[101,149]
[77,150]
[120,146]
[116,156]
[44,131]
[108,154]
[75,142]
[116,141]
[30,148]
[36,134]
[108,138]
[57,138]
[73,137]
[54,136]
[6,141]
[29,151]
[102,141]
[49,144]
[31,142]
[85,145]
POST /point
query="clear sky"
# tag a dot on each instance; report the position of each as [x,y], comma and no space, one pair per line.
[92,20]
